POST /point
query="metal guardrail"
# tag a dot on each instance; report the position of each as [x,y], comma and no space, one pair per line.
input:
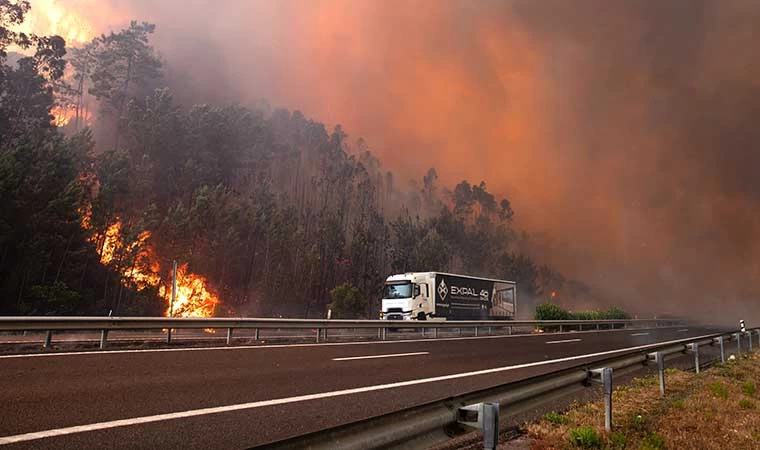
[401,427]
[106,324]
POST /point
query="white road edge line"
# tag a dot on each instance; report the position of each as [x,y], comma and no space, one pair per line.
[248,347]
[640,334]
[563,341]
[4,440]
[390,355]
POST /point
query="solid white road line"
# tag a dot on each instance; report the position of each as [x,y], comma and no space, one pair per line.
[301,398]
[391,355]
[563,341]
[640,334]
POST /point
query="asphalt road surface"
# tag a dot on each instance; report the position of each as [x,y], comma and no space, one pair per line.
[239,397]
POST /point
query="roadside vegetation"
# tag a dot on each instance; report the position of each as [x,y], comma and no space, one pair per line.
[715,409]
[552,311]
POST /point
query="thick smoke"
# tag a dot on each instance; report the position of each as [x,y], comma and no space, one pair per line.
[623,132]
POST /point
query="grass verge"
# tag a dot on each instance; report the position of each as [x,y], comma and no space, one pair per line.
[715,409]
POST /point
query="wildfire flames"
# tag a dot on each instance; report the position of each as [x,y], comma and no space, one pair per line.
[193,296]
[63,116]
[50,17]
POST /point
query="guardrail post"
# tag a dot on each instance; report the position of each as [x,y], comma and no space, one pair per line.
[169,335]
[229,336]
[510,330]
[383,335]
[605,377]
[318,333]
[560,328]
[695,348]
[324,333]
[48,339]
[490,425]
[103,339]
[738,344]
[484,416]
[435,332]
[659,358]
[255,334]
[749,336]
[476,331]
[722,352]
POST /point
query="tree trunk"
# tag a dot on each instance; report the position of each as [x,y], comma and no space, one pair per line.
[63,259]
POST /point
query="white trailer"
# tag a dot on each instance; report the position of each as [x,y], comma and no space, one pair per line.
[441,296]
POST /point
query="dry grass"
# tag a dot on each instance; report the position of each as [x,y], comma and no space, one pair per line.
[715,409]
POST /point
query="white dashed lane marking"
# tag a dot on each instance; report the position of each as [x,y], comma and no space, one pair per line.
[563,341]
[392,355]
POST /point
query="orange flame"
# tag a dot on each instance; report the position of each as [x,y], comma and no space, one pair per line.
[61,116]
[48,17]
[194,297]
[64,115]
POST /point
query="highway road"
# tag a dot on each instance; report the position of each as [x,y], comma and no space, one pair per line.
[239,397]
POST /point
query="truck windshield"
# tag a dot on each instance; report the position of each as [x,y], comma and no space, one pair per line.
[398,290]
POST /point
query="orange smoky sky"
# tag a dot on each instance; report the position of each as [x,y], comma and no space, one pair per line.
[623,132]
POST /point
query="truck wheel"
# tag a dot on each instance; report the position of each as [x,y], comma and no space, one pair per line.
[421,316]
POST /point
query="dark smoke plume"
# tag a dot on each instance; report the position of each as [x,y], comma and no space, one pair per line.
[623,131]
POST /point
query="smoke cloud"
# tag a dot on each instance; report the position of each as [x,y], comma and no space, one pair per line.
[623,132]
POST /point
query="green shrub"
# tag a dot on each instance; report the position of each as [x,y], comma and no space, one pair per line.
[587,315]
[585,437]
[653,441]
[615,313]
[677,404]
[618,441]
[347,302]
[551,311]
[746,404]
[748,388]
[555,417]
[719,389]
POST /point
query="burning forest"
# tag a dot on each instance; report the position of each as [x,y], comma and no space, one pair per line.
[592,166]
[192,297]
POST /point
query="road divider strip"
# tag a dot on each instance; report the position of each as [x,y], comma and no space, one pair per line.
[6,440]
[323,344]
[389,355]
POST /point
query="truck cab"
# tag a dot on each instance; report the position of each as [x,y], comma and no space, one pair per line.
[408,296]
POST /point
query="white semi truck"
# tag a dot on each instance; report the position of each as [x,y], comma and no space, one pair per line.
[441,296]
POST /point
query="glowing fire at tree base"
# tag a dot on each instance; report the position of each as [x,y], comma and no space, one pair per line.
[193,297]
